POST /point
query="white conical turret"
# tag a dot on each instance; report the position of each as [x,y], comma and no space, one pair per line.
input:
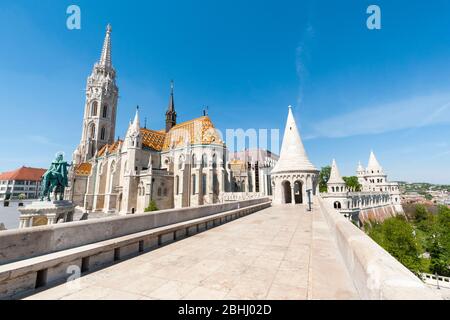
[293,156]
[335,176]
[373,165]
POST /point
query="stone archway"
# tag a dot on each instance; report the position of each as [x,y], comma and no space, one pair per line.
[287,194]
[298,192]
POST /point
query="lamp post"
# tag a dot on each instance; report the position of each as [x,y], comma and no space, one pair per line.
[309,199]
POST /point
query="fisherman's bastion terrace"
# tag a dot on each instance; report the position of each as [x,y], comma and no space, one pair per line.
[152,200]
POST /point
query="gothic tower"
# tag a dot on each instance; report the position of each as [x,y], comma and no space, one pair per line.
[99,119]
[171,115]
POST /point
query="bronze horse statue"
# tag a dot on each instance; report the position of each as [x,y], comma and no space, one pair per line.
[55,179]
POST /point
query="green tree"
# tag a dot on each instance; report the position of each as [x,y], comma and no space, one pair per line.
[151,207]
[397,237]
[324,176]
[421,213]
[352,183]
[440,243]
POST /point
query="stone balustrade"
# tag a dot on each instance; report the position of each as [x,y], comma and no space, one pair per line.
[22,277]
[375,273]
[436,280]
[240,196]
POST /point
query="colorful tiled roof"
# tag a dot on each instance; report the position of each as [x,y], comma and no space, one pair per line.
[196,131]
[23,174]
[153,139]
[112,148]
[83,169]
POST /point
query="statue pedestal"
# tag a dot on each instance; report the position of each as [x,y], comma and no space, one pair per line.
[40,213]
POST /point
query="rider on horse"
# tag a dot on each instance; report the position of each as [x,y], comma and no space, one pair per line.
[55,179]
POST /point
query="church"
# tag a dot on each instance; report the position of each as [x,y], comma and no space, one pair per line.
[183,165]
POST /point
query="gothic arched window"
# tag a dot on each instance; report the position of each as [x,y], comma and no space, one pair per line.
[204,184]
[214,160]
[94,109]
[194,161]
[177,184]
[105,111]
[194,183]
[92,131]
[103,133]
[204,160]
[159,192]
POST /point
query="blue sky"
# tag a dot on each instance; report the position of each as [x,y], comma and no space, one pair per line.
[352,89]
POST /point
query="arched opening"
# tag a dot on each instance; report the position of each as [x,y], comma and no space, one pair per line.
[214,161]
[194,184]
[92,131]
[298,192]
[203,184]
[105,111]
[194,161]
[287,195]
[103,133]
[94,109]
[337,205]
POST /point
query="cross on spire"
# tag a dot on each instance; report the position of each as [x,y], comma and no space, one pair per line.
[105,58]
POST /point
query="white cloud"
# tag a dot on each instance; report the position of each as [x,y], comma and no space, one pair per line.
[409,113]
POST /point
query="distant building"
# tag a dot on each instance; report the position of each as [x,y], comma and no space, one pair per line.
[378,199]
[250,171]
[24,180]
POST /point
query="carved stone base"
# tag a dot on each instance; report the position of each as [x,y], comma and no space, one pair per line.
[41,213]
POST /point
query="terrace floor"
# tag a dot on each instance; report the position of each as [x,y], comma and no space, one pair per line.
[283,252]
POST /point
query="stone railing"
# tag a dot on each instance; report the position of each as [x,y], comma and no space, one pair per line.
[375,273]
[27,243]
[437,281]
[240,196]
[20,278]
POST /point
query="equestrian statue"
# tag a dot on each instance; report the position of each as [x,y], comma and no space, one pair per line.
[55,179]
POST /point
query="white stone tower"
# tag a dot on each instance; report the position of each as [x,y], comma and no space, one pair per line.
[360,172]
[293,174]
[375,176]
[99,121]
[337,189]
[132,146]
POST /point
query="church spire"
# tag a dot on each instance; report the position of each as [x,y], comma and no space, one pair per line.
[105,58]
[136,122]
[171,114]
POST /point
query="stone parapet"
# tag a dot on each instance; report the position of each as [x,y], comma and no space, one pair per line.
[375,273]
[21,278]
[27,243]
